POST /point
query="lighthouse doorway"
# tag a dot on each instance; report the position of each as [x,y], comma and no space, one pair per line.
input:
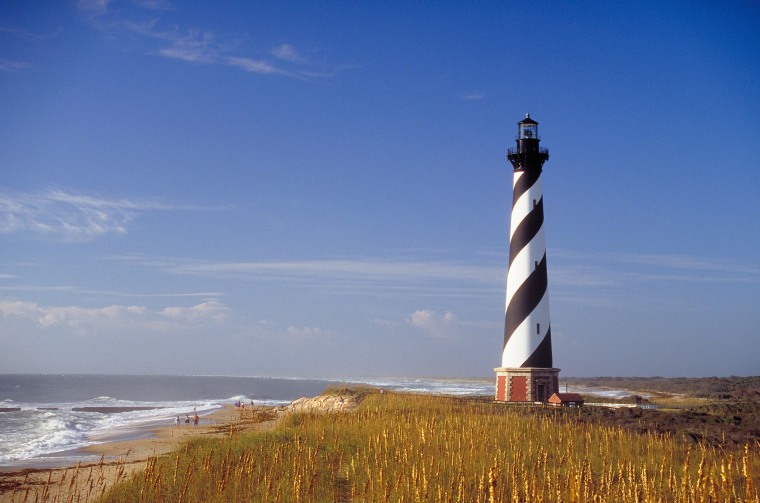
[541,393]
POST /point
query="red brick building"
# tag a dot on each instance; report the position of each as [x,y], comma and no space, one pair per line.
[566,400]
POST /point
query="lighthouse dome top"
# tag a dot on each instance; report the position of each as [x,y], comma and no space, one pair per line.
[527,120]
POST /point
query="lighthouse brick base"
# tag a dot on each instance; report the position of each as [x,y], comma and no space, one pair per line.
[527,384]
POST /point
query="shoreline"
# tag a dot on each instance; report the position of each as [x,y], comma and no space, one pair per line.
[133,432]
[116,460]
[93,469]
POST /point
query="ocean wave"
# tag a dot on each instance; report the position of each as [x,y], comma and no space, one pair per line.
[65,413]
[43,430]
[31,433]
[442,386]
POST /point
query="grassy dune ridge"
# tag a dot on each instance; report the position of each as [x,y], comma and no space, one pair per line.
[398,447]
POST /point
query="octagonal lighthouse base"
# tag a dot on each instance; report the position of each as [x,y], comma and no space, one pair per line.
[529,384]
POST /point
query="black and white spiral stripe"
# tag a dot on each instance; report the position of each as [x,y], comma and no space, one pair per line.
[527,332]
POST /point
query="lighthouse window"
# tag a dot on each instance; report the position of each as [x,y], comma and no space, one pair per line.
[535,203]
[535,264]
[528,131]
[538,328]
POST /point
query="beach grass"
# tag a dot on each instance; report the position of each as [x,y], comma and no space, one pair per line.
[400,447]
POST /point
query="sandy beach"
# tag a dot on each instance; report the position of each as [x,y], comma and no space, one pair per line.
[116,460]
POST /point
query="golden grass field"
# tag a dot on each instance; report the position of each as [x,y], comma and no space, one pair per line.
[429,448]
[423,448]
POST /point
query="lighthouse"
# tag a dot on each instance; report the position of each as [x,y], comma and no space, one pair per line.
[527,373]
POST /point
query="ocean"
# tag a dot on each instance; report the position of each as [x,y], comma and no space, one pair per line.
[46,419]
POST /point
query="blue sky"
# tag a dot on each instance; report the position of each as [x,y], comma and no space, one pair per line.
[320,189]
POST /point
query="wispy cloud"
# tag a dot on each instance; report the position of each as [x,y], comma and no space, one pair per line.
[203,47]
[114,316]
[473,96]
[70,216]
[153,4]
[339,271]
[308,332]
[26,288]
[287,52]
[438,325]
[153,295]
[612,280]
[206,47]
[92,8]
[13,66]
[195,46]
[600,269]
[29,35]
[209,310]
[261,66]
[100,294]
[573,273]
[686,263]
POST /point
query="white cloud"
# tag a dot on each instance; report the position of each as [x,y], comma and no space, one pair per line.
[686,262]
[29,35]
[655,266]
[440,326]
[153,4]
[253,65]
[93,7]
[18,309]
[293,66]
[210,310]
[13,66]
[204,46]
[569,268]
[307,331]
[74,317]
[288,53]
[114,316]
[196,46]
[70,216]
[376,270]
[353,276]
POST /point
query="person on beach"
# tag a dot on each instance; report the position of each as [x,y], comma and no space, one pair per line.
[176,421]
[195,420]
[187,420]
[251,403]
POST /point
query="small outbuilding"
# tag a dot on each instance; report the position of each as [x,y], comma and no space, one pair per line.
[566,400]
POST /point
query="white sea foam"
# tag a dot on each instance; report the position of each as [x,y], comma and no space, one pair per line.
[32,435]
[472,387]
[442,386]
[32,432]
